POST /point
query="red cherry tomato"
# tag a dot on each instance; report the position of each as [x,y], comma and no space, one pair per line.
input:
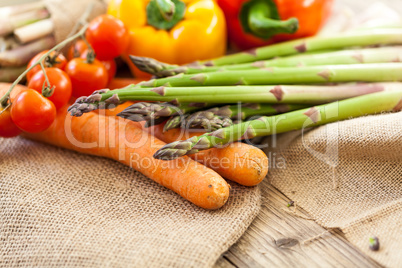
[77,49]
[108,37]
[52,61]
[59,80]
[7,127]
[32,112]
[86,77]
[110,66]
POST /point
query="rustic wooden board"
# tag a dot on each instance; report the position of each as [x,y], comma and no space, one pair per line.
[275,239]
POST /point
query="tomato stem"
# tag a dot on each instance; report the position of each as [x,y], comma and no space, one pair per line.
[4,98]
[91,52]
[83,20]
[44,73]
[5,107]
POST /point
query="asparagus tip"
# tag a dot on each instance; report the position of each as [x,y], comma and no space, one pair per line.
[173,150]
[157,68]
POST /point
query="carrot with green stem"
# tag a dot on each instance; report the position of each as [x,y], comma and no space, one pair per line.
[126,142]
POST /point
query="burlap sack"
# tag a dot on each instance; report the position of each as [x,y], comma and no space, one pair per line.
[61,208]
[65,14]
[347,175]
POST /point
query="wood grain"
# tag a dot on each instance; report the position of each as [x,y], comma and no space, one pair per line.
[275,239]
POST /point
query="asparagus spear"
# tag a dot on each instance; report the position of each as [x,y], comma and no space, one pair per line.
[206,120]
[368,55]
[254,94]
[236,113]
[156,113]
[300,119]
[358,38]
[371,72]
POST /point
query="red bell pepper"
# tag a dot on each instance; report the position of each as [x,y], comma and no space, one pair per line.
[253,23]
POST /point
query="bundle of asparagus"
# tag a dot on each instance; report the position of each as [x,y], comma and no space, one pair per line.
[253,93]
[25,30]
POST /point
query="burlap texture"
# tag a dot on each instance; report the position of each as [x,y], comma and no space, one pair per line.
[348,175]
[61,208]
[65,14]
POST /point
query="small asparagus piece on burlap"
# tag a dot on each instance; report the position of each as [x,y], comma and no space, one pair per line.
[359,106]
[356,56]
[156,113]
[352,39]
[371,72]
[224,116]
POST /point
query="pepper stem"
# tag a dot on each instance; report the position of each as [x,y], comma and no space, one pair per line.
[166,8]
[261,18]
[165,14]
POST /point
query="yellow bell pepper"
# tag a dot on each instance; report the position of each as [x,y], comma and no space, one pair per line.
[172,31]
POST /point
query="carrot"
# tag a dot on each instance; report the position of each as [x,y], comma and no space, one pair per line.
[114,111]
[123,82]
[4,87]
[126,142]
[239,162]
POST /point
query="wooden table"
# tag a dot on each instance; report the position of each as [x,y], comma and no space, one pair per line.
[275,238]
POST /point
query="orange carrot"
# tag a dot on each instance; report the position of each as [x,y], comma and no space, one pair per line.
[4,87]
[123,82]
[114,111]
[126,142]
[239,162]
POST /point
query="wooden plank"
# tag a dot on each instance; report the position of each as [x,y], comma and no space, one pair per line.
[275,239]
[223,262]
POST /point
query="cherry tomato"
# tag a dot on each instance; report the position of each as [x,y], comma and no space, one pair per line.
[59,80]
[32,112]
[7,127]
[108,37]
[110,66]
[57,62]
[77,49]
[86,77]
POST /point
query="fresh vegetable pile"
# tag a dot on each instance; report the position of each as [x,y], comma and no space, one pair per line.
[252,77]
[201,107]
[52,79]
